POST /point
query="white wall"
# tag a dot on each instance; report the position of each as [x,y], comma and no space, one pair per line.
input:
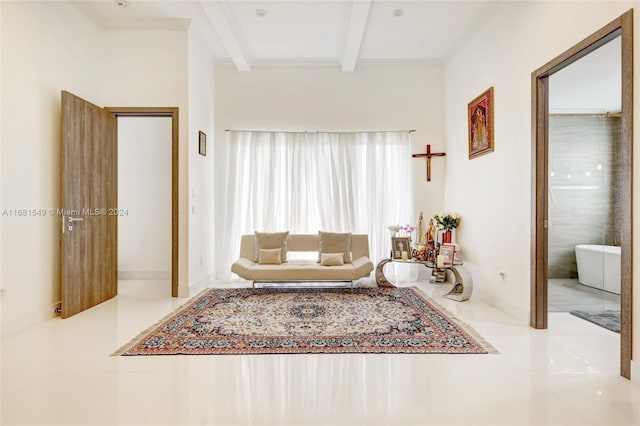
[144,197]
[201,176]
[374,97]
[46,47]
[149,69]
[493,192]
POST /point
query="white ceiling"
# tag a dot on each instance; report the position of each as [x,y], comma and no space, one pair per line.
[333,31]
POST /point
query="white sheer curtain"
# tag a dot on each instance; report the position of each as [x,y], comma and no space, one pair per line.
[310,182]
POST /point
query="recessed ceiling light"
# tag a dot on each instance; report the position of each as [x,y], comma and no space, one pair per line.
[398,12]
[261,12]
[121,3]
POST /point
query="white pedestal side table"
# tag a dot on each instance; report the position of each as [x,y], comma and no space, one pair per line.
[457,274]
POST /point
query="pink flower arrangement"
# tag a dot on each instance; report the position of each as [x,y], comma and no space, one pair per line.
[407,230]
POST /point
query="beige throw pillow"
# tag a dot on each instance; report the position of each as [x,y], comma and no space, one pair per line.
[271,240]
[269,256]
[332,242]
[331,259]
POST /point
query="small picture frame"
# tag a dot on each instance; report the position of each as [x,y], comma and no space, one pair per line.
[202,143]
[448,251]
[400,248]
[480,124]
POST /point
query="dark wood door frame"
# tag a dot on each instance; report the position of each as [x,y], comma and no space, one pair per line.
[173,113]
[623,27]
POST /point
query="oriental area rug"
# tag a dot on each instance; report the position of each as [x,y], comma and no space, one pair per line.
[308,320]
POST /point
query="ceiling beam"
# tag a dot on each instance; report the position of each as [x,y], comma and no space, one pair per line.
[355,33]
[221,17]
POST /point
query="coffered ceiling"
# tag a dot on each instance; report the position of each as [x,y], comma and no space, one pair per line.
[314,31]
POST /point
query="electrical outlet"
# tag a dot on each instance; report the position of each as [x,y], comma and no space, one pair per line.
[503,276]
[2,293]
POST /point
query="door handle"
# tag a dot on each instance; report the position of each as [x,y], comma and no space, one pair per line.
[74,219]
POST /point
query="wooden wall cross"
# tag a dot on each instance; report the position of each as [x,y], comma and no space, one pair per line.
[428,156]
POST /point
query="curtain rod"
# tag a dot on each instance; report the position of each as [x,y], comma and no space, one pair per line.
[317,131]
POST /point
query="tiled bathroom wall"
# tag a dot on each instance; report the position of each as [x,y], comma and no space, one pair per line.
[584,196]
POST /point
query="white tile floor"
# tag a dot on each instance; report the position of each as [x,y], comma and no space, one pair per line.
[60,373]
[567,294]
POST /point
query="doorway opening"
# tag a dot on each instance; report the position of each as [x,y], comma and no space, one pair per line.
[621,27]
[144,199]
[172,113]
[584,187]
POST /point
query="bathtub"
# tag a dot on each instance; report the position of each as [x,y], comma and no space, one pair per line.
[599,267]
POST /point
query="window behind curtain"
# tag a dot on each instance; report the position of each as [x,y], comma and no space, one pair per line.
[310,182]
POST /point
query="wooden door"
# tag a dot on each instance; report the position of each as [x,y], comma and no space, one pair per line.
[88,252]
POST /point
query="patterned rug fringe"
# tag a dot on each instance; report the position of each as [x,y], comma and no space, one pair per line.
[469,329]
[147,330]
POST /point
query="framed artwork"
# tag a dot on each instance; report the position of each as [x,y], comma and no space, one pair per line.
[448,251]
[480,124]
[400,248]
[202,143]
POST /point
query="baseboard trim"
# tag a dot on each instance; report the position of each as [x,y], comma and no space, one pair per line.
[144,275]
[196,287]
[521,315]
[635,372]
[24,321]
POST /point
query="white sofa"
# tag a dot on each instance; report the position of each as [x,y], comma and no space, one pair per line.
[303,270]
